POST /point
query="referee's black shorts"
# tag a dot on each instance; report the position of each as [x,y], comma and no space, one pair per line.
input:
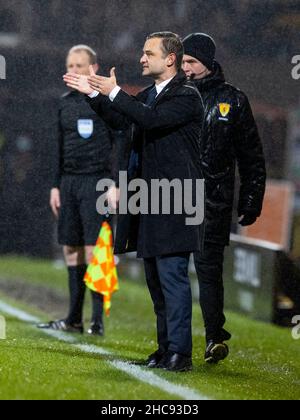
[79,222]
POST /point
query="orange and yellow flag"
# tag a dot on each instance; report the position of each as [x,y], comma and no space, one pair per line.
[101,275]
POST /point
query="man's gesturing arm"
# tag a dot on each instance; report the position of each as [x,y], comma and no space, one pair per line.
[178,110]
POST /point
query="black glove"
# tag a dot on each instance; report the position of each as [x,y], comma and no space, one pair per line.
[249,218]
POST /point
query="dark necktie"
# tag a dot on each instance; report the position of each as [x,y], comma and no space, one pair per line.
[151,96]
[134,157]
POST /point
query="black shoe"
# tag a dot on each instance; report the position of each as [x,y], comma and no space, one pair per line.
[154,359]
[175,362]
[215,352]
[62,325]
[96,329]
[225,336]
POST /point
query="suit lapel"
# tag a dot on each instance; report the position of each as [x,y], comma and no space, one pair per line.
[176,81]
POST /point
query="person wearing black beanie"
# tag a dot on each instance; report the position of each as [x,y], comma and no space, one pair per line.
[202,47]
[230,137]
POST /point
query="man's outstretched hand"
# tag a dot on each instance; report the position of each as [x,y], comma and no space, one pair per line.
[78,82]
[87,85]
[104,85]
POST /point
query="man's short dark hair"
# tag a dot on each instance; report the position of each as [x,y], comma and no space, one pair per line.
[85,48]
[171,44]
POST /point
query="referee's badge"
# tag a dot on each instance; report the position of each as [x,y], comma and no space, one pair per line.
[85,128]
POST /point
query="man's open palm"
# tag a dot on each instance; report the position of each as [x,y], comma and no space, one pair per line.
[104,85]
[78,82]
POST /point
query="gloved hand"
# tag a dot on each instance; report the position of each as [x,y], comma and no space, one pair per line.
[247,218]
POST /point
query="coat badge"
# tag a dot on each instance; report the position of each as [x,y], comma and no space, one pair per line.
[85,128]
[224,109]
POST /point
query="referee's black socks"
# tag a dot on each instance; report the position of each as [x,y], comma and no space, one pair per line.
[77,291]
[97,302]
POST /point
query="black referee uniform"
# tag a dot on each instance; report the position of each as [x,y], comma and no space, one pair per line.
[83,156]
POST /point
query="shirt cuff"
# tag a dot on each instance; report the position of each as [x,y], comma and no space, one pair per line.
[93,94]
[114,93]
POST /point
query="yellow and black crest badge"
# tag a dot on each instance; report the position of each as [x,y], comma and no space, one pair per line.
[224,109]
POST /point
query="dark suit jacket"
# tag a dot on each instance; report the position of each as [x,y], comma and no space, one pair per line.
[167,138]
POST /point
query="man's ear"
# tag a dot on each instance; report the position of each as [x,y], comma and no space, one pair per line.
[96,68]
[171,60]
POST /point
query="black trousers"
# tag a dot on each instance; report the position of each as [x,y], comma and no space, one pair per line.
[79,222]
[209,267]
[169,286]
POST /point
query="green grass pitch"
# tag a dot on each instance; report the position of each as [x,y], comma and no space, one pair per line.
[264,362]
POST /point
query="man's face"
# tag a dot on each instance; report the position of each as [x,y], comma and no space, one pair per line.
[154,61]
[78,63]
[194,68]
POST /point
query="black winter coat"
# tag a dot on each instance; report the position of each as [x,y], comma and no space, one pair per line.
[167,137]
[230,136]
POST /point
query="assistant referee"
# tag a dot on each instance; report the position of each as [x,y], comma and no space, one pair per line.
[82,158]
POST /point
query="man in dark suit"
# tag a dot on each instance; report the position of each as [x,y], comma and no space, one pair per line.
[165,121]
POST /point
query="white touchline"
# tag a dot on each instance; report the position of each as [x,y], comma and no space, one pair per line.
[68,338]
[151,379]
[137,372]
[93,349]
[17,313]
[145,376]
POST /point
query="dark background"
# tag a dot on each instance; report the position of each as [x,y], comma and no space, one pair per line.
[256,41]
